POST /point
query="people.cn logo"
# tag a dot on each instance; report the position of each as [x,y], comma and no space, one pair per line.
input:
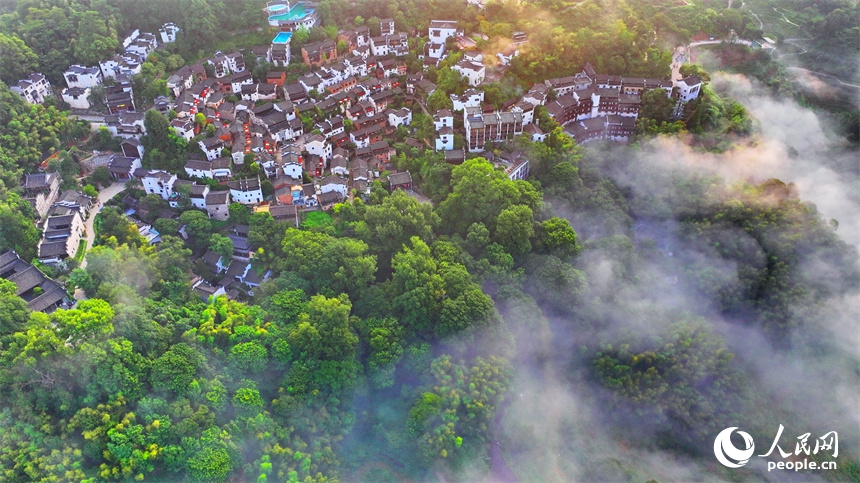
[725,451]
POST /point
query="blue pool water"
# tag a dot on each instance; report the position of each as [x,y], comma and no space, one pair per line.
[282,38]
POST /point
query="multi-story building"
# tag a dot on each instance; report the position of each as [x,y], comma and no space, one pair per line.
[289,18]
[34,89]
[41,190]
[318,53]
[83,77]
[493,127]
[168,32]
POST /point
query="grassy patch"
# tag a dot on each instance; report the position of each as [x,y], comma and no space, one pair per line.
[314,219]
[229,43]
[82,250]
[97,228]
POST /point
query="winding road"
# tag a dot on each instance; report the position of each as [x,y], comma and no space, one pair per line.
[103,196]
[822,74]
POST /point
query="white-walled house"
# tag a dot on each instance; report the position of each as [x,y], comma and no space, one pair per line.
[445,139]
[77,97]
[441,30]
[399,117]
[474,73]
[80,76]
[339,165]
[212,147]
[218,204]
[443,118]
[34,89]
[246,191]
[198,195]
[689,88]
[159,183]
[292,165]
[184,128]
[470,98]
[168,32]
[317,144]
[334,184]
[435,50]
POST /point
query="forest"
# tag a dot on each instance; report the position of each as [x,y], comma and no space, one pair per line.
[391,334]
[601,321]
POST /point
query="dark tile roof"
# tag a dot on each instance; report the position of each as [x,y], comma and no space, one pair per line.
[692,80]
[60,221]
[39,181]
[246,184]
[211,258]
[254,276]
[217,198]
[198,164]
[400,178]
[239,242]
[330,198]
[28,278]
[7,261]
[198,190]
[236,269]
[53,294]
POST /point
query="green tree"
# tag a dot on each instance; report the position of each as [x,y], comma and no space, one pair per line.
[211,459]
[460,408]
[101,177]
[480,193]
[239,213]
[197,225]
[436,299]
[556,283]
[514,228]
[166,226]
[680,382]
[439,100]
[387,226]
[13,309]
[95,40]
[198,23]
[221,245]
[332,265]
[81,279]
[385,341]
[656,105]
[17,61]
[249,356]
[557,237]
[247,400]
[17,230]
[114,227]
[90,191]
[176,368]
[163,148]
[695,69]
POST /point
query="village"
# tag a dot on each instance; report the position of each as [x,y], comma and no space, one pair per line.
[313,143]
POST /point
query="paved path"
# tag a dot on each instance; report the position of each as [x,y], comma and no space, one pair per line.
[419,196]
[104,195]
[822,74]
[678,59]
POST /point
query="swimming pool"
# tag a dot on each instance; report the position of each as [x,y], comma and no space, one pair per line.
[296,13]
[282,38]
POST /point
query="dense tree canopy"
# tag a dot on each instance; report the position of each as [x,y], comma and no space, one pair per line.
[385,342]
